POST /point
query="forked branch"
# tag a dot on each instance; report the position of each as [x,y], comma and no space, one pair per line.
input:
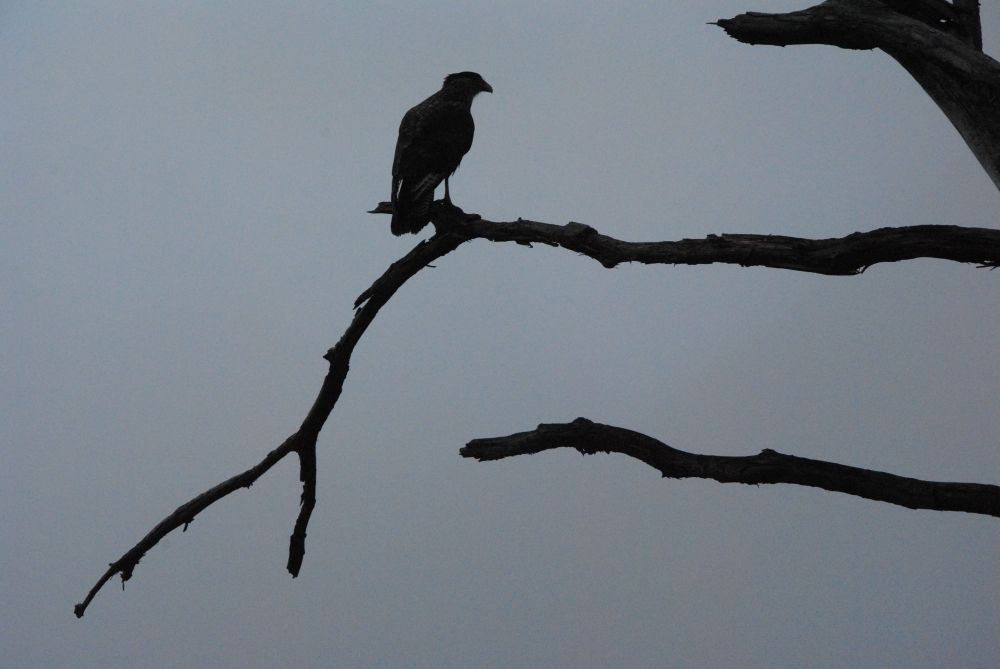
[845,256]
[766,467]
[303,442]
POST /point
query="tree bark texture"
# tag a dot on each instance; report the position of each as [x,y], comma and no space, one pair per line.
[938,43]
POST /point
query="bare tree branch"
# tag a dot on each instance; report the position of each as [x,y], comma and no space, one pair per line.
[845,256]
[302,442]
[766,467]
[307,475]
[839,256]
[184,515]
[951,68]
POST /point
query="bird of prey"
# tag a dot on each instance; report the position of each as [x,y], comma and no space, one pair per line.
[433,137]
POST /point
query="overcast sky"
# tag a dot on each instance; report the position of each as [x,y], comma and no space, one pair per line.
[183,188]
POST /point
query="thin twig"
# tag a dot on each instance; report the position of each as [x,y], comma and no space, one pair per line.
[184,515]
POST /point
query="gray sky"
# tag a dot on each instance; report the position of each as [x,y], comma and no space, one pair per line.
[182,235]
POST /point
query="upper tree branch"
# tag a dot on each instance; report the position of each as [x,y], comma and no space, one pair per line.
[766,467]
[962,81]
[838,256]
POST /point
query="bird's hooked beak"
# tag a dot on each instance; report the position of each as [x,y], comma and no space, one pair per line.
[487,88]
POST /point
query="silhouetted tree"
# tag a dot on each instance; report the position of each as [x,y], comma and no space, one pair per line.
[938,42]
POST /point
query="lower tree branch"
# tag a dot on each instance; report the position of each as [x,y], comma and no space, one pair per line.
[766,467]
[184,515]
[845,256]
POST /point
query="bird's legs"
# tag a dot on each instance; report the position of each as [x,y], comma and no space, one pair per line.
[447,196]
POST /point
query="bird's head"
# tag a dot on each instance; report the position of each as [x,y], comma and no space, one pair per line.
[467,81]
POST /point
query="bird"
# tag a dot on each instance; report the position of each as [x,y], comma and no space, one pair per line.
[433,138]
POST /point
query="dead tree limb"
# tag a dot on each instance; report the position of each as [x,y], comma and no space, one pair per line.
[937,42]
[184,515]
[766,467]
[303,442]
[844,256]
[838,256]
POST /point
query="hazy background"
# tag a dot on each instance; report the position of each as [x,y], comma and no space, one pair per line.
[183,189]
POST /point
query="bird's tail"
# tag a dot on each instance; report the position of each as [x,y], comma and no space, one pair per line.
[411,211]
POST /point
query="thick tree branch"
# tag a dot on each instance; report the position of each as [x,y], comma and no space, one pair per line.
[766,467]
[951,68]
[844,256]
[838,256]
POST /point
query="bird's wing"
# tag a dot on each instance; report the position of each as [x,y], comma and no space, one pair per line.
[408,129]
[436,141]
